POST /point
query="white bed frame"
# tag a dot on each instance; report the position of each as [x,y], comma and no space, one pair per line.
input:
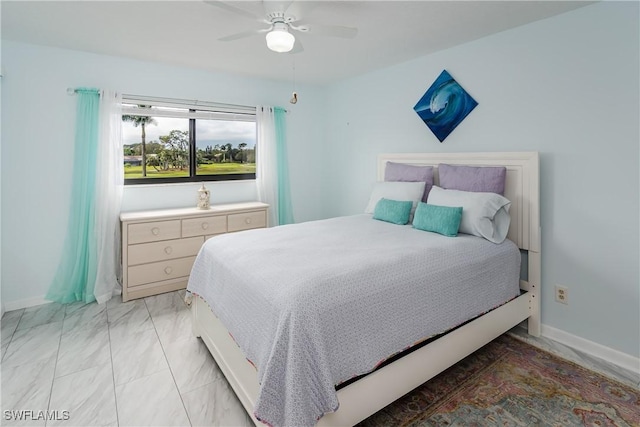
[373,392]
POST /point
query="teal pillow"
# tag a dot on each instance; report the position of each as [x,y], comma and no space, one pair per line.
[394,211]
[443,220]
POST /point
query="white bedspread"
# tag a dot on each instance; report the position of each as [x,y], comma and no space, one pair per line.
[315,304]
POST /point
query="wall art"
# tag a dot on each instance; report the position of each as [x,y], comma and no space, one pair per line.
[444,105]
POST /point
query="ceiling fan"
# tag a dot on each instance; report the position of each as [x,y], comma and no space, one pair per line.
[283,21]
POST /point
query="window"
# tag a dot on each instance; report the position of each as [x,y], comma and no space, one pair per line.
[186,141]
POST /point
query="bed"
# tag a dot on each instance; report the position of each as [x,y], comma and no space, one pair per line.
[371,392]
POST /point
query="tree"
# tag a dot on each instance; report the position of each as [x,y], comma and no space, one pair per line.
[128,150]
[226,148]
[200,158]
[177,145]
[241,147]
[154,161]
[223,150]
[208,154]
[154,147]
[141,121]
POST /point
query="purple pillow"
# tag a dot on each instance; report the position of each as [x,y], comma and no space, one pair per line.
[472,178]
[410,173]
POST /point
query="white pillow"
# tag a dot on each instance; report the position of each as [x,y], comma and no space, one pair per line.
[483,214]
[395,190]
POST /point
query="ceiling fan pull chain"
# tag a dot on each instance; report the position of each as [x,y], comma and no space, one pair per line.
[294,96]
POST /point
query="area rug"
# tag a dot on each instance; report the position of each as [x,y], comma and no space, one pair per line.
[511,383]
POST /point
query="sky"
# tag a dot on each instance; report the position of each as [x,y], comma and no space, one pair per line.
[208,132]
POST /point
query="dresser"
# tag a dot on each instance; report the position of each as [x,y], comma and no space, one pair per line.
[160,246]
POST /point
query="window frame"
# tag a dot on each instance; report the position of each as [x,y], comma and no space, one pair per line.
[197,110]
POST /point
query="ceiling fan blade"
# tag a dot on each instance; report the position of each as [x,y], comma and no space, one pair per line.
[328,30]
[243,35]
[302,9]
[236,10]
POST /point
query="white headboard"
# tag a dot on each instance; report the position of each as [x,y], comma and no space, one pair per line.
[522,186]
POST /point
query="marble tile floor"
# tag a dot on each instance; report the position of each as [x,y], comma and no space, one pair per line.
[136,364]
[126,364]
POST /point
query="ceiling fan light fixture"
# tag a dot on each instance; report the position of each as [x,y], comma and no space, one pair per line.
[280,39]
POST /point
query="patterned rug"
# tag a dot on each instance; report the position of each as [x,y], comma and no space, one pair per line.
[511,383]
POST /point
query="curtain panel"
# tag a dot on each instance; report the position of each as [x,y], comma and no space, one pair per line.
[88,268]
[272,170]
[108,196]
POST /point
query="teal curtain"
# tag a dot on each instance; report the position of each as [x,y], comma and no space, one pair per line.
[285,210]
[75,278]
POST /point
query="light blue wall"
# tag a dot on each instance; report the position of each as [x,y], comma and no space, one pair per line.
[37,142]
[566,87]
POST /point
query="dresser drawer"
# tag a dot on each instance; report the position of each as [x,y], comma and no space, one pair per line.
[204,226]
[157,271]
[246,221]
[159,251]
[153,231]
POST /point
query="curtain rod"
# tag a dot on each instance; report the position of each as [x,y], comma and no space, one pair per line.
[72,91]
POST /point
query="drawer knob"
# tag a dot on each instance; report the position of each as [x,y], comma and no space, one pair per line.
[168,250]
[205,225]
[168,270]
[155,231]
[247,220]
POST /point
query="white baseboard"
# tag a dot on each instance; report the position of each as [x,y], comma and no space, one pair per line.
[24,303]
[626,361]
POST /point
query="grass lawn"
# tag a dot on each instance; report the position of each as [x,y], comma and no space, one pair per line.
[210,169]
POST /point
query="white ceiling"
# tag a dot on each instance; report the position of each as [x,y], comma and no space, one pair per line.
[186,33]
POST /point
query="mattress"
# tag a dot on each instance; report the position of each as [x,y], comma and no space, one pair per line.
[312,305]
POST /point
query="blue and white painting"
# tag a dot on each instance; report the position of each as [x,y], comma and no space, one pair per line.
[444,105]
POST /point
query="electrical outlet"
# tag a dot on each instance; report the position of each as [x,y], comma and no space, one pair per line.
[562,294]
